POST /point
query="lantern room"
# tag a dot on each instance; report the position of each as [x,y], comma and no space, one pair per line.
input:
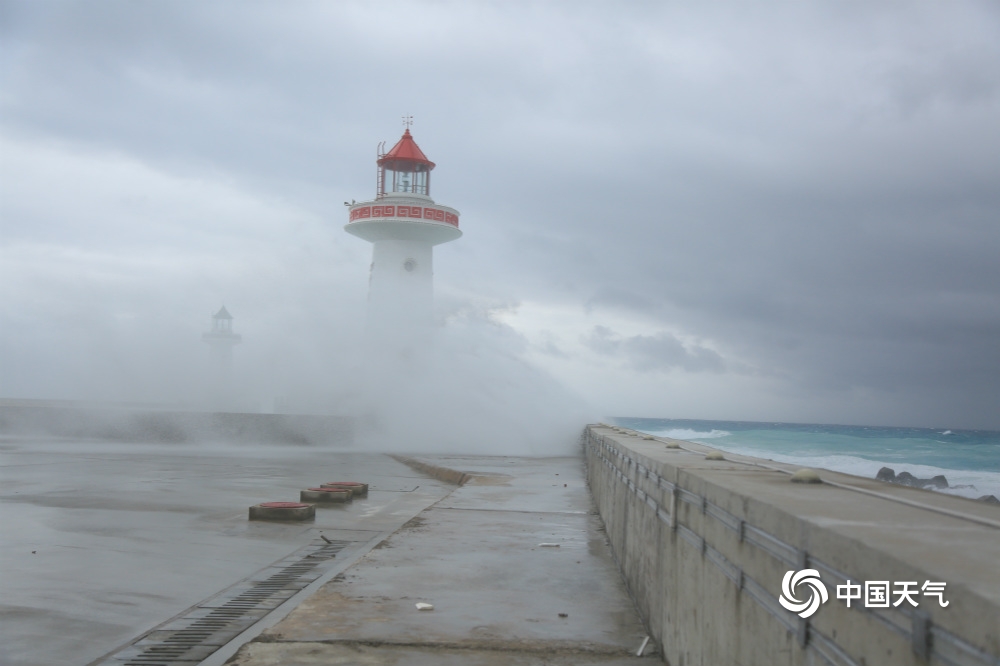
[222,322]
[404,169]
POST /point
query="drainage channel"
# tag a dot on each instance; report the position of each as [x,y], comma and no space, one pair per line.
[191,637]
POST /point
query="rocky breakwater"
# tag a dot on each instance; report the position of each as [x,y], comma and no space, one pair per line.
[938,482]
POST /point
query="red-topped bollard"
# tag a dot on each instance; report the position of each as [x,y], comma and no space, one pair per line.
[337,486]
[357,488]
[325,495]
[284,511]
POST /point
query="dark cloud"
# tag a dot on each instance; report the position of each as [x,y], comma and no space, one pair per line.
[809,190]
[660,352]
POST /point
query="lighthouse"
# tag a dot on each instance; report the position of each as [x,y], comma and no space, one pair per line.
[221,341]
[404,224]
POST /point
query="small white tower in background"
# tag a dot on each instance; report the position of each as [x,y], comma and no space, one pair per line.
[221,341]
[404,224]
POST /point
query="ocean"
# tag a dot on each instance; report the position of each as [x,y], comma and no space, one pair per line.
[969,459]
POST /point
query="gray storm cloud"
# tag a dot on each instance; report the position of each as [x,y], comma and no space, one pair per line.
[812,188]
[663,351]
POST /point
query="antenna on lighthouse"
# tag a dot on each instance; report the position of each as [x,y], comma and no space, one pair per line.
[407,122]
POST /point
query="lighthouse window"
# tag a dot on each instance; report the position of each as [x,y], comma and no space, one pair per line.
[404,182]
[420,182]
[409,265]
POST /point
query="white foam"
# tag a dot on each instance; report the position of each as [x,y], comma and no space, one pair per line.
[975,483]
[683,433]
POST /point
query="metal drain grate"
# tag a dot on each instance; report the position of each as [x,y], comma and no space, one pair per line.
[205,628]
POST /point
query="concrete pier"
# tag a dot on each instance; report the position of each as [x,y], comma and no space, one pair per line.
[515,564]
[114,551]
[104,541]
[704,545]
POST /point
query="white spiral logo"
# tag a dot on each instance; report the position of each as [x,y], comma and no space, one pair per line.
[817,595]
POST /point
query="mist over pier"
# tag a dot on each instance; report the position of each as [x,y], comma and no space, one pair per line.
[628,544]
[229,275]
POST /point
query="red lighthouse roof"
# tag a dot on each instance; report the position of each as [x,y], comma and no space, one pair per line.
[405,155]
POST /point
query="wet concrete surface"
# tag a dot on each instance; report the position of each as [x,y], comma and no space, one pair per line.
[103,542]
[499,595]
[338,654]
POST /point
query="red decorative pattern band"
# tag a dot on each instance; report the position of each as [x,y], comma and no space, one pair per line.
[414,212]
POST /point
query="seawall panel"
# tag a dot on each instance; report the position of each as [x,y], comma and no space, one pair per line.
[704,546]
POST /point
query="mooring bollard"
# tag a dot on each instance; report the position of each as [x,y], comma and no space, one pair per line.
[285,511]
[357,488]
[334,486]
[325,495]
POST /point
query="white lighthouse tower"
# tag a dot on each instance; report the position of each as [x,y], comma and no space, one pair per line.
[404,224]
[221,341]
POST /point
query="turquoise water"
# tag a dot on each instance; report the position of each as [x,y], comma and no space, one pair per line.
[969,459]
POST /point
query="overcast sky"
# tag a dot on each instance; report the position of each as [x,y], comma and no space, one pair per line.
[759,211]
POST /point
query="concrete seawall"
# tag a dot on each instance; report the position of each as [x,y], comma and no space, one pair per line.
[146,425]
[704,545]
